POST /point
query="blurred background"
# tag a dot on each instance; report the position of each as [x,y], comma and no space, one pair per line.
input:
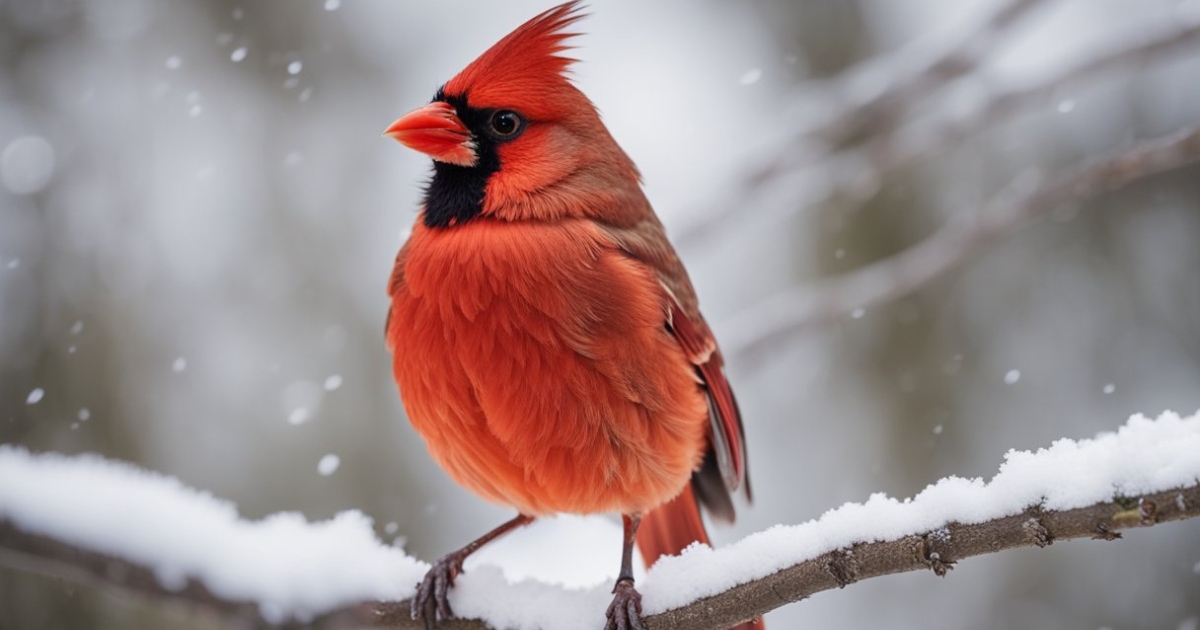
[198,217]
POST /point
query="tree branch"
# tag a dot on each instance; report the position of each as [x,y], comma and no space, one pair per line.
[1028,197]
[886,152]
[937,550]
[911,78]
[891,147]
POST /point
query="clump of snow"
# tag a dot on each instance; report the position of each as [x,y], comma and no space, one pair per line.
[1011,377]
[332,382]
[179,364]
[290,566]
[294,568]
[238,54]
[35,396]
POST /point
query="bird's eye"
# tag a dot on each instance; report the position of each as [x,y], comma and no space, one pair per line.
[506,123]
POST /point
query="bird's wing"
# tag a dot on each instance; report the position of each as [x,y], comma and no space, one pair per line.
[646,242]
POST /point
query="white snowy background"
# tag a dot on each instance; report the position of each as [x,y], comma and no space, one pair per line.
[198,216]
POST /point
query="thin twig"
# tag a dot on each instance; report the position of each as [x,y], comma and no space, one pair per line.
[895,147]
[910,76]
[936,550]
[886,152]
[1027,198]
[911,80]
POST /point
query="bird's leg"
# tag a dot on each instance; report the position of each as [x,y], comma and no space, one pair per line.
[625,611]
[431,601]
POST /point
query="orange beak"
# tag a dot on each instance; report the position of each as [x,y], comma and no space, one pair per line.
[436,131]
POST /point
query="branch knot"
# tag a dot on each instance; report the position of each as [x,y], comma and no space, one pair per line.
[1036,532]
[843,567]
[931,549]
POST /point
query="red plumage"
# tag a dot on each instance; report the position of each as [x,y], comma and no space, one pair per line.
[546,339]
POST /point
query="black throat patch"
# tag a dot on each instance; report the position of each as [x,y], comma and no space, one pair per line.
[455,193]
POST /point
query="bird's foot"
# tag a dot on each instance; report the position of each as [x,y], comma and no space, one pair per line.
[625,611]
[432,603]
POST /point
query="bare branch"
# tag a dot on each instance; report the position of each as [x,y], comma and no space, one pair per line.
[892,147]
[937,550]
[968,234]
[910,80]
[886,152]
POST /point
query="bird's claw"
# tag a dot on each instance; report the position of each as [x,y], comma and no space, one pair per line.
[432,603]
[625,611]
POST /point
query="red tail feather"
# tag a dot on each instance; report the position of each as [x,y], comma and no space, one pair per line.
[670,528]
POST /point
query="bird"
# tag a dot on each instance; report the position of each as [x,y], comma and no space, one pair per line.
[546,339]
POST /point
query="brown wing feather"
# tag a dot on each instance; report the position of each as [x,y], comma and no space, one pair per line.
[646,241]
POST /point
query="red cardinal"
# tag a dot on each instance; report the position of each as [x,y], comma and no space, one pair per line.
[547,341]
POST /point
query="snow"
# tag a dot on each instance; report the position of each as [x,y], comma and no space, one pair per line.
[238,54]
[292,567]
[35,396]
[299,416]
[179,364]
[751,76]
[328,464]
[1011,377]
[333,382]
[285,563]
[295,67]
[26,165]
[1144,456]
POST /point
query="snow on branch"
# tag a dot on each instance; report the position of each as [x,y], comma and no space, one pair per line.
[1028,197]
[93,520]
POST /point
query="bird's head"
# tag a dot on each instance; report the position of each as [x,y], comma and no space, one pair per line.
[511,137]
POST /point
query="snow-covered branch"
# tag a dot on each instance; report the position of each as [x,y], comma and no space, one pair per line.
[92,520]
[937,549]
[1030,196]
